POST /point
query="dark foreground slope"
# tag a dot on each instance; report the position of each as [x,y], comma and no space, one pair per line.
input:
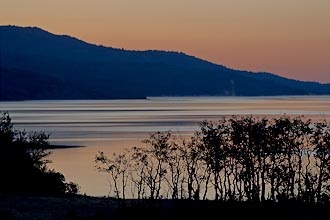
[14,207]
[35,64]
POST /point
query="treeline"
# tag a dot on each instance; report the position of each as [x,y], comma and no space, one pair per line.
[23,163]
[239,159]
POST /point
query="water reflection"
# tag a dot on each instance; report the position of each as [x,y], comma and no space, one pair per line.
[111,125]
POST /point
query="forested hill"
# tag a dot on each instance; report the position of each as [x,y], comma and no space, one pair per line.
[36,64]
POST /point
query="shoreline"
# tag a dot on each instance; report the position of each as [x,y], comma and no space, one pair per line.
[60,146]
[176,97]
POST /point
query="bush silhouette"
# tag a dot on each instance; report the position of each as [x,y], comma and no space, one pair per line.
[23,163]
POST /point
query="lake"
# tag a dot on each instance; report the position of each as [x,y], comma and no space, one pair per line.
[112,125]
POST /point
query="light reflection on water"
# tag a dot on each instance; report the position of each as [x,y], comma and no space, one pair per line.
[111,125]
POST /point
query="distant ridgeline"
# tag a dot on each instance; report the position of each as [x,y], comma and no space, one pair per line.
[35,64]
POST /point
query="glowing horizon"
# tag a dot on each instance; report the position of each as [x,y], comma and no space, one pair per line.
[287,38]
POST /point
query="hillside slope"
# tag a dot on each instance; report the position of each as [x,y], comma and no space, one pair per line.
[35,64]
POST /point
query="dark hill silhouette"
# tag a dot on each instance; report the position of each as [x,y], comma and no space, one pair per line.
[35,64]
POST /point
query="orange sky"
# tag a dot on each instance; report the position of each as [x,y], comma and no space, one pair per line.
[287,37]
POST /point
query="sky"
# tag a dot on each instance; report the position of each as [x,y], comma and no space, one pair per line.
[290,38]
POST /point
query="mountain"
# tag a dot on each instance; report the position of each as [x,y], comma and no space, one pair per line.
[36,64]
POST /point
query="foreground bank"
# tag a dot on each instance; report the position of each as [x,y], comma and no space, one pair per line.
[69,207]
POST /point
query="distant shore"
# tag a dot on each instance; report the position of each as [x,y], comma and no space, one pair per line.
[60,146]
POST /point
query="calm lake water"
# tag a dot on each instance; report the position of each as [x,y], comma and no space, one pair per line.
[112,125]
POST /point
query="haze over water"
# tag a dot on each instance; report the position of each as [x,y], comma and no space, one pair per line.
[112,125]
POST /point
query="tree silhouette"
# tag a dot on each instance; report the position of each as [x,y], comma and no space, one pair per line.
[240,159]
[321,141]
[23,162]
[117,168]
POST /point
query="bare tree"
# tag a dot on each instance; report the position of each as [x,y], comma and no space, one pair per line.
[321,141]
[156,156]
[243,158]
[118,168]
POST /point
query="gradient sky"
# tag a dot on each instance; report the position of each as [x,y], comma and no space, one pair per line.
[288,37]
